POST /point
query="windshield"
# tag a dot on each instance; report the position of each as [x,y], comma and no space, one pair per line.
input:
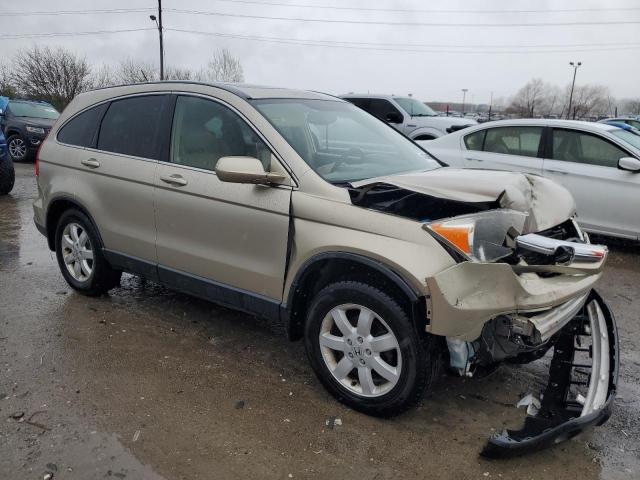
[630,137]
[36,110]
[341,142]
[414,108]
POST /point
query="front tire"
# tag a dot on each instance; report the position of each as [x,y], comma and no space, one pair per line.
[366,351]
[79,254]
[18,150]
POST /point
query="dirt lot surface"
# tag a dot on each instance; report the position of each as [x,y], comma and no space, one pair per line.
[149,383]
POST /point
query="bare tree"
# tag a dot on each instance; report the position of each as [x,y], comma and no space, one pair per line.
[55,75]
[103,76]
[588,101]
[528,98]
[176,73]
[7,87]
[224,67]
[133,71]
[631,106]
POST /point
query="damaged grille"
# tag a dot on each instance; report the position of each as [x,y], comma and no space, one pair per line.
[565,231]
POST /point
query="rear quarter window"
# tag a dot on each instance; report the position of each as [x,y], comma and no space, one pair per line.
[474,141]
[81,129]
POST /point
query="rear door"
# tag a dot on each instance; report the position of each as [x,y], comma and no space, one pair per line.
[225,241]
[514,148]
[116,177]
[587,165]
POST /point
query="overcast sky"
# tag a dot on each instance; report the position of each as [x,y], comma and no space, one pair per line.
[609,52]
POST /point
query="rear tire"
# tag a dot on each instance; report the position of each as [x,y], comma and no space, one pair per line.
[7,175]
[79,254]
[388,363]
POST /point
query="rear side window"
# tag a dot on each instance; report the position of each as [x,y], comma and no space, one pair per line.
[523,141]
[475,140]
[81,130]
[581,147]
[131,127]
[360,102]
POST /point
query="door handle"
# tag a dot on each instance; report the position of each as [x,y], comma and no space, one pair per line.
[474,159]
[557,170]
[90,162]
[178,180]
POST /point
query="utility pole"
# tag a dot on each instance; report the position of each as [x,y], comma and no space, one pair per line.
[464,96]
[573,84]
[158,21]
[490,105]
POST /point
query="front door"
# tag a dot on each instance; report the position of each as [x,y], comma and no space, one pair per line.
[223,241]
[587,165]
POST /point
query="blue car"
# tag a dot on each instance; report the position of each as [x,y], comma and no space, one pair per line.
[7,174]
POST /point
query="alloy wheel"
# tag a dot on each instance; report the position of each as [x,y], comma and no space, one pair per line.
[360,350]
[18,148]
[77,252]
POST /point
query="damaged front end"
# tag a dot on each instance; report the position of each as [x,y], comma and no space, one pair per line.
[522,286]
[581,387]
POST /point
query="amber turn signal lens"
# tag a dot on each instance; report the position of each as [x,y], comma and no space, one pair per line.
[459,236]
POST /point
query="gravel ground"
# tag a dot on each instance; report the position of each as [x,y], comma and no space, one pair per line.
[149,383]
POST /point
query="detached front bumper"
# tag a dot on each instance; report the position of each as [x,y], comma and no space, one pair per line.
[565,411]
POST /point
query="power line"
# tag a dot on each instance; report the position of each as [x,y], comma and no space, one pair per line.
[404,24]
[407,10]
[13,36]
[77,12]
[392,47]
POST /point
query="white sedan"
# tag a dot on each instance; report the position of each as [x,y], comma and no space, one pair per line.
[597,162]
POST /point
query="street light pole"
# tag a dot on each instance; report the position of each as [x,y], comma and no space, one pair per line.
[158,21]
[464,96]
[573,84]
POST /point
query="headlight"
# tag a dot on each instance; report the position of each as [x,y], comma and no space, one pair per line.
[39,130]
[482,237]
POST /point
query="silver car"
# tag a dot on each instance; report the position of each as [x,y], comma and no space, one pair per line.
[597,162]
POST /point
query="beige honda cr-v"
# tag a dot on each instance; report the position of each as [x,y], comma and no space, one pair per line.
[304,209]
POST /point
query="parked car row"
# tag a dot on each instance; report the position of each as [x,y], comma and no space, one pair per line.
[302,208]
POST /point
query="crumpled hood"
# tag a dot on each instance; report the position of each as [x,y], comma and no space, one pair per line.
[547,203]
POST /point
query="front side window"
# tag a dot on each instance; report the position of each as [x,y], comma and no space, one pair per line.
[582,147]
[341,142]
[131,126]
[81,129]
[205,131]
[34,110]
[523,141]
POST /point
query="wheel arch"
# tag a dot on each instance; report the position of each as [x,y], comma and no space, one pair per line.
[426,132]
[329,267]
[56,209]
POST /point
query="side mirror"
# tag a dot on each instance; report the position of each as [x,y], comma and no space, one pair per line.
[394,117]
[245,170]
[630,164]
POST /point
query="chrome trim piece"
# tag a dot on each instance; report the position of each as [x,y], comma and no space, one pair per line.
[599,379]
[583,252]
[552,321]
